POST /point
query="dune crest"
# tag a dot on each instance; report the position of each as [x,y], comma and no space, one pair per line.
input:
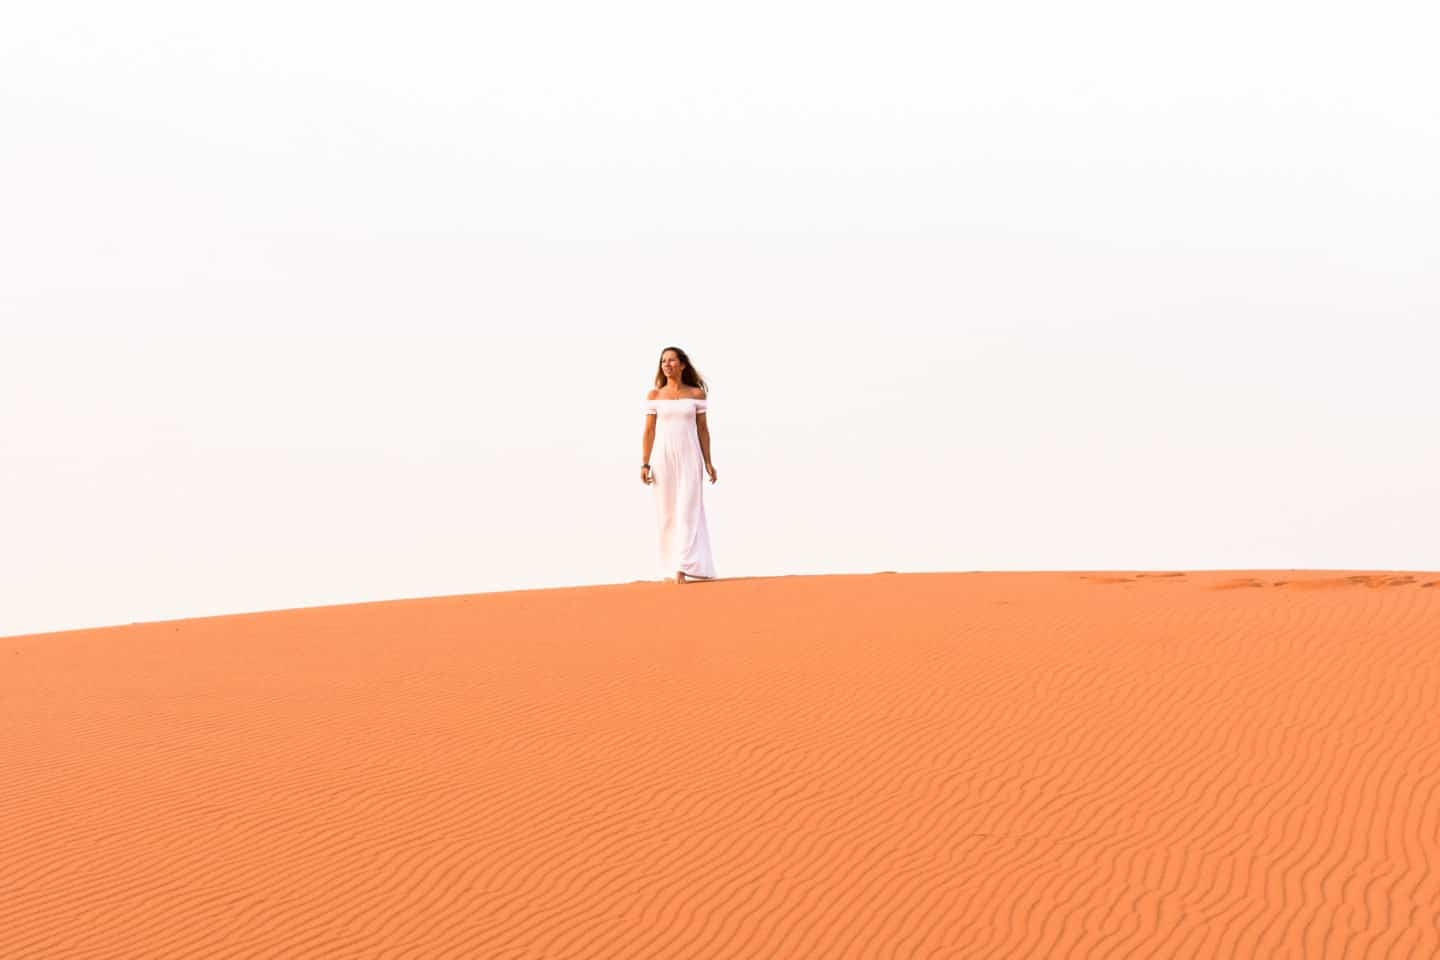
[1083,764]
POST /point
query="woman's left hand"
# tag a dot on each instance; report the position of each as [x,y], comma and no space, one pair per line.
[710,469]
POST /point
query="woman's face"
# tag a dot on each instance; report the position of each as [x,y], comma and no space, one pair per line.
[670,365]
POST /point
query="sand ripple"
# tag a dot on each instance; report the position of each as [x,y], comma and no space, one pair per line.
[1110,764]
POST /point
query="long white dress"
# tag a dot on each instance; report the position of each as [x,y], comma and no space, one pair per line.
[678,467]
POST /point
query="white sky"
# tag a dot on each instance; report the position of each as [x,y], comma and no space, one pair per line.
[305,304]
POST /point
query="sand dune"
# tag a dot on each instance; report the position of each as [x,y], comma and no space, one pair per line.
[1106,764]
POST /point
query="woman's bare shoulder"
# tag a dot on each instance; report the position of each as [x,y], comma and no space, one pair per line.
[695,393]
[652,394]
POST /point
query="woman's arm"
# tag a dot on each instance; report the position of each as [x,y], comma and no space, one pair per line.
[648,440]
[702,427]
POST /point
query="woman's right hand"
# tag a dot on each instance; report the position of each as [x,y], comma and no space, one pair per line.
[646,476]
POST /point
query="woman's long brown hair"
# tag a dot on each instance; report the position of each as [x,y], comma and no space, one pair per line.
[689,376]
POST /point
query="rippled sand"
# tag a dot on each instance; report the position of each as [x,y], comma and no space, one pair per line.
[1162,764]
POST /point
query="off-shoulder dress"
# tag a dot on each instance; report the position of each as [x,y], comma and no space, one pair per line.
[678,467]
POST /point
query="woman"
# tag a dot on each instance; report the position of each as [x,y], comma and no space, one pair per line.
[675,416]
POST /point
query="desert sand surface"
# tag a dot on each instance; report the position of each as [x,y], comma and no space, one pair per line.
[1069,764]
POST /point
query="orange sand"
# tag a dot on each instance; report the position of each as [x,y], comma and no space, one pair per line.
[1219,764]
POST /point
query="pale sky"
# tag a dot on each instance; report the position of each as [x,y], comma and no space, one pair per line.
[306,304]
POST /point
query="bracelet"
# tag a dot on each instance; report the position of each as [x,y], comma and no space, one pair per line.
[645,465]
